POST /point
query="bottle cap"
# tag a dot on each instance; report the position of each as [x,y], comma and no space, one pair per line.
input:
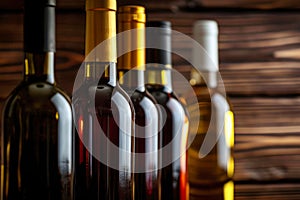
[206,27]
[39,26]
[131,13]
[100,29]
[206,34]
[101,4]
[38,3]
[159,36]
[160,24]
[132,17]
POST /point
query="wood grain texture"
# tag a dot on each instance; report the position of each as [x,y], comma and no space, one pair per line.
[69,55]
[61,4]
[268,140]
[259,63]
[258,51]
[253,4]
[263,191]
[257,57]
[80,4]
[170,4]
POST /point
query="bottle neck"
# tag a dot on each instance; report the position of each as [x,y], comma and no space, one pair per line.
[39,67]
[101,72]
[39,40]
[131,80]
[100,42]
[100,30]
[158,75]
[208,78]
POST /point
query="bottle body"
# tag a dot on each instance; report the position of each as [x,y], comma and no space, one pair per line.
[174,123]
[173,180]
[146,184]
[210,157]
[146,177]
[37,124]
[104,114]
[131,67]
[37,141]
[211,164]
[112,111]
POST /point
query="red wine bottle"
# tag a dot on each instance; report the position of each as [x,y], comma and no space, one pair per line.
[103,113]
[131,68]
[173,160]
[37,134]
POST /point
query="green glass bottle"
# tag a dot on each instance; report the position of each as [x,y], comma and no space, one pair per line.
[37,134]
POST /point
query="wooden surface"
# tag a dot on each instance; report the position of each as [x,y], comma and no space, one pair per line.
[253,4]
[155,5]
[260,66]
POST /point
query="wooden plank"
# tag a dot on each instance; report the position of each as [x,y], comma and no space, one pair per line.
[267,191]
[267,138]
[259,78]
[256,57]
[252,4]
[266,62]
[168,4]
[69,55]
[61,4]
[151,5]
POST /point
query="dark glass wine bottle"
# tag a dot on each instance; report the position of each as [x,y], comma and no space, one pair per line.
[37,134]
[174,133]
[103,113]
[131,67]
[211,164]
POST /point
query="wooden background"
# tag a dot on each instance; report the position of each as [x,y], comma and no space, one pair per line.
[259,63]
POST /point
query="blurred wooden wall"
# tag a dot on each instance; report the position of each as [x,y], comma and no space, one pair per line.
[259,63]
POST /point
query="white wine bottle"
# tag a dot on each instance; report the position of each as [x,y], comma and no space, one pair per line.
[37,134]
[131,67]
[174,132]
[104,114]
[210,156]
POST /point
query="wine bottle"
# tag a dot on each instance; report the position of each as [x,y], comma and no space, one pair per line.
[210,156]
[103,113]
[175,129]
[37,134]
[131,68]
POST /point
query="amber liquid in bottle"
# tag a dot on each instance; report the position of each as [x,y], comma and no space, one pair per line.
[101,173]
[211,175]
[174,130]
[210,156]
[37,126]
[131,78]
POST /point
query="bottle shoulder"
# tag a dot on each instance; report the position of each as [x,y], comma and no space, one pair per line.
[36,92]
[38,98]
[165,97]
[142,101]
[101,96]
[139,96]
